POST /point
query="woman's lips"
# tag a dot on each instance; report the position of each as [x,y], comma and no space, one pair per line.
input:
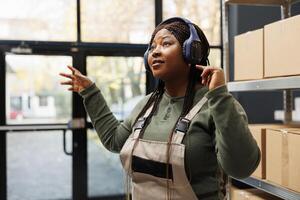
[157,63]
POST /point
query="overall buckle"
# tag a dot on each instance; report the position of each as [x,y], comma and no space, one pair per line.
[140,123]
[183,125]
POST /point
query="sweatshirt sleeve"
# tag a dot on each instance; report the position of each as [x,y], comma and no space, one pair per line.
[111,132]
[237,151]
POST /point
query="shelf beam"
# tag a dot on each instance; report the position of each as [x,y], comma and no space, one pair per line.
[270,188]
[282,83]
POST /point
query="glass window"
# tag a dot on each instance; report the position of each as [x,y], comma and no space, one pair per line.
[37,167]
[105,174]
[122,81]
[117,21]
[42,20]
[33,93]
[204,13]
[16,102]
[43,101]
[215,57]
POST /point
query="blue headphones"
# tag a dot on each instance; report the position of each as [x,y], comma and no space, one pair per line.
[192,47]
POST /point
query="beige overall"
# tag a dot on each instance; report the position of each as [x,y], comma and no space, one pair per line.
[147,167]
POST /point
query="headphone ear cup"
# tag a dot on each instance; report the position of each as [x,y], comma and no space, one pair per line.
[185,52]
[193,51]
[146,60]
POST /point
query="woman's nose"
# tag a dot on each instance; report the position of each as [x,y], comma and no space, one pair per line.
[156,52]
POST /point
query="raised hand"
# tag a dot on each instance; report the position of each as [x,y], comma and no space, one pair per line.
[77,81]
[212,77]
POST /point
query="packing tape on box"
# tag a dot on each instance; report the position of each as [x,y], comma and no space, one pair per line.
[285,159]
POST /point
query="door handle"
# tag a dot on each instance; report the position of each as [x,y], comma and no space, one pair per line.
[64,144]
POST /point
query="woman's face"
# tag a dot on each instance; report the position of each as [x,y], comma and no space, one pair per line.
[165,57]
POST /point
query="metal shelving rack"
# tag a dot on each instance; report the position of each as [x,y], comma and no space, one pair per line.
[271,188]
[281,83]
[286,84]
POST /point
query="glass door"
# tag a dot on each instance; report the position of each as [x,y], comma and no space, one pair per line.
[37,167]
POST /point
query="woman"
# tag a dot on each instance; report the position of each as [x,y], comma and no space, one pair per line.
[177,139]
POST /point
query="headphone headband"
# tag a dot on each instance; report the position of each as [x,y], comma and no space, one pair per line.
[193,32]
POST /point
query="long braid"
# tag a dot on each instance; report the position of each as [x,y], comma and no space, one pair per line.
[190,93]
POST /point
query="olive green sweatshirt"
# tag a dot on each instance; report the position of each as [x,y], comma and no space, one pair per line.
[218,135]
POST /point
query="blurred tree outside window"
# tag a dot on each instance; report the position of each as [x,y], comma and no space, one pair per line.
[117,21]
[34,93]
[215,57]
[41,20]
[122,81]
[204,13]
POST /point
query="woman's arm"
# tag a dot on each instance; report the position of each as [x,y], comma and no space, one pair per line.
[111,132]
[237,151]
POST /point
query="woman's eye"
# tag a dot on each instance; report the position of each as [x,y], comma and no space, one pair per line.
[152,47]
[166,44]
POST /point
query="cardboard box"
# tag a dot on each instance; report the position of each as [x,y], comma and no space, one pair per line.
[259,133]
[282,47]
[248,55]
[250,194]
[283,157]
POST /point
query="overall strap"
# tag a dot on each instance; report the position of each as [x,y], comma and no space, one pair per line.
[196,109]
[184,122]
[140,122]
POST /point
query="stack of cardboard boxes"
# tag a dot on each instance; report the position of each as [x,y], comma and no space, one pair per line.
[280,154]
[269,52]
[265,53]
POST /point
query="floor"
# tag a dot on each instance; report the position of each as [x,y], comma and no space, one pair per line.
[38,169]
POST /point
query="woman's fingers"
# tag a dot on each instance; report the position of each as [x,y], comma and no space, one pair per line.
[72,69]
[212,77]
[70,76]
[208,79]
[77,81]
[208,73]
[71,89]
[66,83]
[74,88]
[205,69]
[73,79]
[202,69]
